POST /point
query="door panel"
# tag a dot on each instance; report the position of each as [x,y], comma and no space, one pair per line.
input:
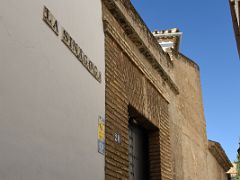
[138,152]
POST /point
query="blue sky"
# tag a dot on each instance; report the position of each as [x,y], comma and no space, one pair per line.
[208,39]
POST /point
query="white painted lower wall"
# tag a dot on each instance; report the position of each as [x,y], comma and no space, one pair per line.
[49,102]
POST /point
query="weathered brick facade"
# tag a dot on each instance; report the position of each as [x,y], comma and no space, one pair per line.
[132,90]
[127,87]
[162,91]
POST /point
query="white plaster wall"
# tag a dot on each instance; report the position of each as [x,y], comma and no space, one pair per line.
[49,103]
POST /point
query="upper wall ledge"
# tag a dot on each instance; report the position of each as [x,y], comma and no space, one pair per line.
[217,151]
[135,28]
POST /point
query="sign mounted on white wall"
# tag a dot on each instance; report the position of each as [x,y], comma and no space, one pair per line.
[101,135]
[52,22]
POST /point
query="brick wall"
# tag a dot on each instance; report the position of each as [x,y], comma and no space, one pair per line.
[127,86]
[163,95]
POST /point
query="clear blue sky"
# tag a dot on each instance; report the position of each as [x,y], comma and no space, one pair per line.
[208,39]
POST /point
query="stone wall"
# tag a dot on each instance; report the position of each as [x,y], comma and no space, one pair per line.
[188,129]
[215,171]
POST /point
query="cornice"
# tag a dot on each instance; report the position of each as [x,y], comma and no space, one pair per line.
[109,30]
[135,28]
[138,33]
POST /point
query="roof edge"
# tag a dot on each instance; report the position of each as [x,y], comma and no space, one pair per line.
[136,30]
[188,60]
[218,152]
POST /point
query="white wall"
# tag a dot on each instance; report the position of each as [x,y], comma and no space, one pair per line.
[49,103]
